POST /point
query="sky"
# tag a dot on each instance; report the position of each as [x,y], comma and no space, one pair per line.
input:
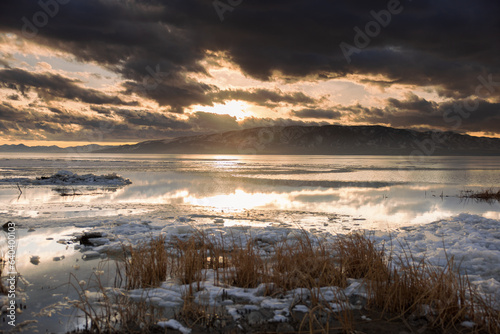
[122,71]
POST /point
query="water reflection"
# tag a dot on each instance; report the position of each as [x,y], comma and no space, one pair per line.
[380,189]
[379,202]
[45,260]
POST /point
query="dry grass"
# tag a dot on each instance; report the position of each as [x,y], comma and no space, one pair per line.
[248,269]
[441,295]
[359,257]
[145,264]
[400,286]
[486,195]
[305,263]
[3,289]
[109,310]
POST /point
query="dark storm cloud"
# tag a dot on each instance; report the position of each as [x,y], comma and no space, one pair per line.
[263,97]
[316,113]
[33,124]
[119,124]
[50,86]
[8,112]
[213,122]
[177,93]
[102,110]
[461,115]
[446,44]
[144,117]
[13,97]
[413,102]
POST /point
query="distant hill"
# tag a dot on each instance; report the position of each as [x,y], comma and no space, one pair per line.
[21,148]
[328,139]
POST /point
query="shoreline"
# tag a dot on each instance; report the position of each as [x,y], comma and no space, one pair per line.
[132,231]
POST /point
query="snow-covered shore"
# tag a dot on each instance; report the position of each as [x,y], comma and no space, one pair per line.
[473,241]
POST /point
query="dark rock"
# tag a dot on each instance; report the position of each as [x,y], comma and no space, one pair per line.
[85,238]
[5,226]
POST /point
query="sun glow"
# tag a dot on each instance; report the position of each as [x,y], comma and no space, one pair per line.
[238,109]
[238,200]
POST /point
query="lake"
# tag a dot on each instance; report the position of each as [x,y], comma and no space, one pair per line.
[385,190]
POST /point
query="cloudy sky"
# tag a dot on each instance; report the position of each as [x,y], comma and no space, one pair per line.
[123,71]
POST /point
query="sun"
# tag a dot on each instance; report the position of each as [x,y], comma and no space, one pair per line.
[233,108]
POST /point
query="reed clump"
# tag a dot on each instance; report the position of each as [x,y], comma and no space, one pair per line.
[3,289]
[442,295]
[486,195]
[305,262]
[247,268]
[359,257]
[398,286]
[145,264]
[108,309]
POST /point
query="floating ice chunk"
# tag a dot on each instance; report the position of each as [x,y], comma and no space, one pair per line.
[273,303]
[93,295]
[174,324]
[65,173]
[468,324]
[88,255]
[295,235]
[279,317]
[337,307]
[99,241]
[178,230]
[64,177]
[251,307]
[355,288]
[301,308]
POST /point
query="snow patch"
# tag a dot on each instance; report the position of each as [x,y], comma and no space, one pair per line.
[174,324]
[64,177]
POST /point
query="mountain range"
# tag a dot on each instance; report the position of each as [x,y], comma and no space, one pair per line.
[320,140]
[21,148]
[299,140]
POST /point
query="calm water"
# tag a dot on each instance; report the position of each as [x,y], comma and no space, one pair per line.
[386,190]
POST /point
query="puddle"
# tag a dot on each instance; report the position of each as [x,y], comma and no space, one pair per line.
[46,259]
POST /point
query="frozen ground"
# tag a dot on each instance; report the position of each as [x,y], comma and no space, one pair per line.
[67,178]
[472,240]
